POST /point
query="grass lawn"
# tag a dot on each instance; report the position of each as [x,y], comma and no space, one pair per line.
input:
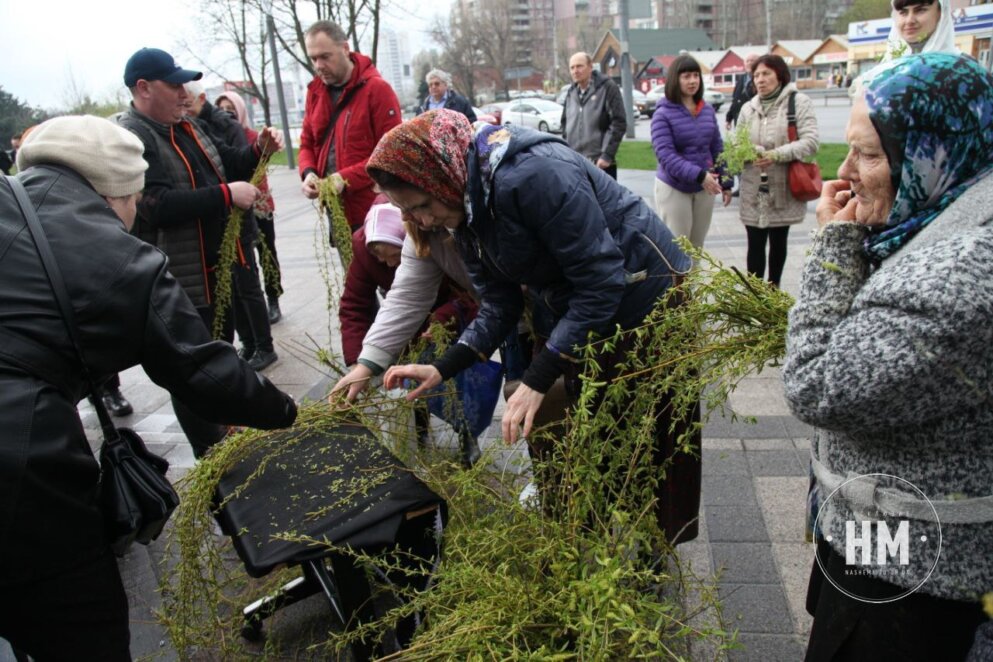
[638,155]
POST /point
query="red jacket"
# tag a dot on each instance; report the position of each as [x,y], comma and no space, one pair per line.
[369,109]
[358,306]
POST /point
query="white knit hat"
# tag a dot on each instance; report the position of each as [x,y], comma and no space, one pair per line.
[106,155]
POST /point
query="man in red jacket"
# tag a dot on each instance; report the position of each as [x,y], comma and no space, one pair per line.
[349,107]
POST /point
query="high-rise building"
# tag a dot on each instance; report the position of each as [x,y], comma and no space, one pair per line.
[393,62]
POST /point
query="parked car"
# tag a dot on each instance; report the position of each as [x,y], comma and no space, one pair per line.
[640,103]
[535,113]
[714,98]
[494,109]
[483,116]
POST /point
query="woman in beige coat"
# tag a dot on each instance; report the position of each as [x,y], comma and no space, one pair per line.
[767,207]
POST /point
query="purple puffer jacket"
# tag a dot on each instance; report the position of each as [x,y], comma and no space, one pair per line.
[686,146]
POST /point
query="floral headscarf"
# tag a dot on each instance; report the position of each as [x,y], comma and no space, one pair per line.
[934,115]
[428,152]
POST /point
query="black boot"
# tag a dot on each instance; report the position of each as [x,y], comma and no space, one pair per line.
[116,403]
[262,359]
[275,314]
[469,447]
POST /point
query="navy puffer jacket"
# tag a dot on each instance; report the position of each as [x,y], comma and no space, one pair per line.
[589,251]
[686,146]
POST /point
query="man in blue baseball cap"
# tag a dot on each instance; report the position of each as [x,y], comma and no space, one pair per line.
[191,185]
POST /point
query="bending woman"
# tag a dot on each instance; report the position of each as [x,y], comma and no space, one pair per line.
[524,209]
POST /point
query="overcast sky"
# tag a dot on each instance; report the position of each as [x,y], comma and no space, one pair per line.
[47,43]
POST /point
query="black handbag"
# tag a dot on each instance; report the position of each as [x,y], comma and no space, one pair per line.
[135,496]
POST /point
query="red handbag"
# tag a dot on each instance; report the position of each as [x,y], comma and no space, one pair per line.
[804,178]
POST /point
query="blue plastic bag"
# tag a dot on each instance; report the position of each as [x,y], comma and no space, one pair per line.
[477,391]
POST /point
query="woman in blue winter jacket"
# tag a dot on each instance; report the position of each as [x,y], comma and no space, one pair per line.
[525,209]
[687,142]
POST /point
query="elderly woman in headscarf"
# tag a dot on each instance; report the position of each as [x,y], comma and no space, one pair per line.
[889,357]
[524,209]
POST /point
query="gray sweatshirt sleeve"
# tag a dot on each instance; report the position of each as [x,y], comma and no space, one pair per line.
[908,345]
[407,305]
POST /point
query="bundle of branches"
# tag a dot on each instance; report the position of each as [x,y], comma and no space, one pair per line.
[738,150]
[227,255]
[341,231]
[585,575]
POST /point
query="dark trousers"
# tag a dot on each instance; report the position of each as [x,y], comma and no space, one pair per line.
[200,433]
[251,316]
[80,613]
[757,240]
[917,627]
[612,170]
[273,279]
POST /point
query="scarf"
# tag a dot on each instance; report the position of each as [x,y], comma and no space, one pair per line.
[934,115]
[428,152]
[768,100]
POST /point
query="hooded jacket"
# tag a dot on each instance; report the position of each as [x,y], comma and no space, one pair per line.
[129,310]
[369,108]
[591,253]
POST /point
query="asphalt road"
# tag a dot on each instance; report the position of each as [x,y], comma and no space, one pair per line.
[831,120]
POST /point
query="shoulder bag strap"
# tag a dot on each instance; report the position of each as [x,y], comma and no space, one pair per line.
[62,297]
[791,116]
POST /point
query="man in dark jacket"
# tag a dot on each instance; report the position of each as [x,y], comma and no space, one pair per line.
[349,108]
[744,90]
[593,118]
[61,596]
[441,95]
[190,188]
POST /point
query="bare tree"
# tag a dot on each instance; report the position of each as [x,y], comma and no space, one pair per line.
[239,27]
[358,18]
[459,55]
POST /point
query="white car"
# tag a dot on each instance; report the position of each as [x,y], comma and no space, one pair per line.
[535,113]
[713,97]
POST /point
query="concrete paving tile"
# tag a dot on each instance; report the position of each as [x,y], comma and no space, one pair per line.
[802,444]
[728,490]
[735,524]
[793,561]
[775,463]
[757,608]
[724,462]
[710,443]
[744,563]
[783,504]
[759,397]
[767,648]
[768,444]
[795,428]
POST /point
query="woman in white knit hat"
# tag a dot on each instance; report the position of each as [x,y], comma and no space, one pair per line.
[61,597]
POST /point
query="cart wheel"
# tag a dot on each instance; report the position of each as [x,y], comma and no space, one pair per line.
[252,631]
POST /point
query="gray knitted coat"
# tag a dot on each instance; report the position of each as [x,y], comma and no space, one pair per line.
[895,370]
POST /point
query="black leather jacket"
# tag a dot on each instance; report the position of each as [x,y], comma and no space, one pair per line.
[128,310]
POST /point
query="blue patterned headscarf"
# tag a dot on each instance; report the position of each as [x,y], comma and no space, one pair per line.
[934,115]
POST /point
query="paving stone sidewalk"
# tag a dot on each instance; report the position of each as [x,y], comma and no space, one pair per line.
[755,476]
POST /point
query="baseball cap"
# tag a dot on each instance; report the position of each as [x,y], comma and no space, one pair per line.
[156,64]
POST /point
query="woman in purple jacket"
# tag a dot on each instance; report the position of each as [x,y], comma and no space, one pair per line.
[686,142]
